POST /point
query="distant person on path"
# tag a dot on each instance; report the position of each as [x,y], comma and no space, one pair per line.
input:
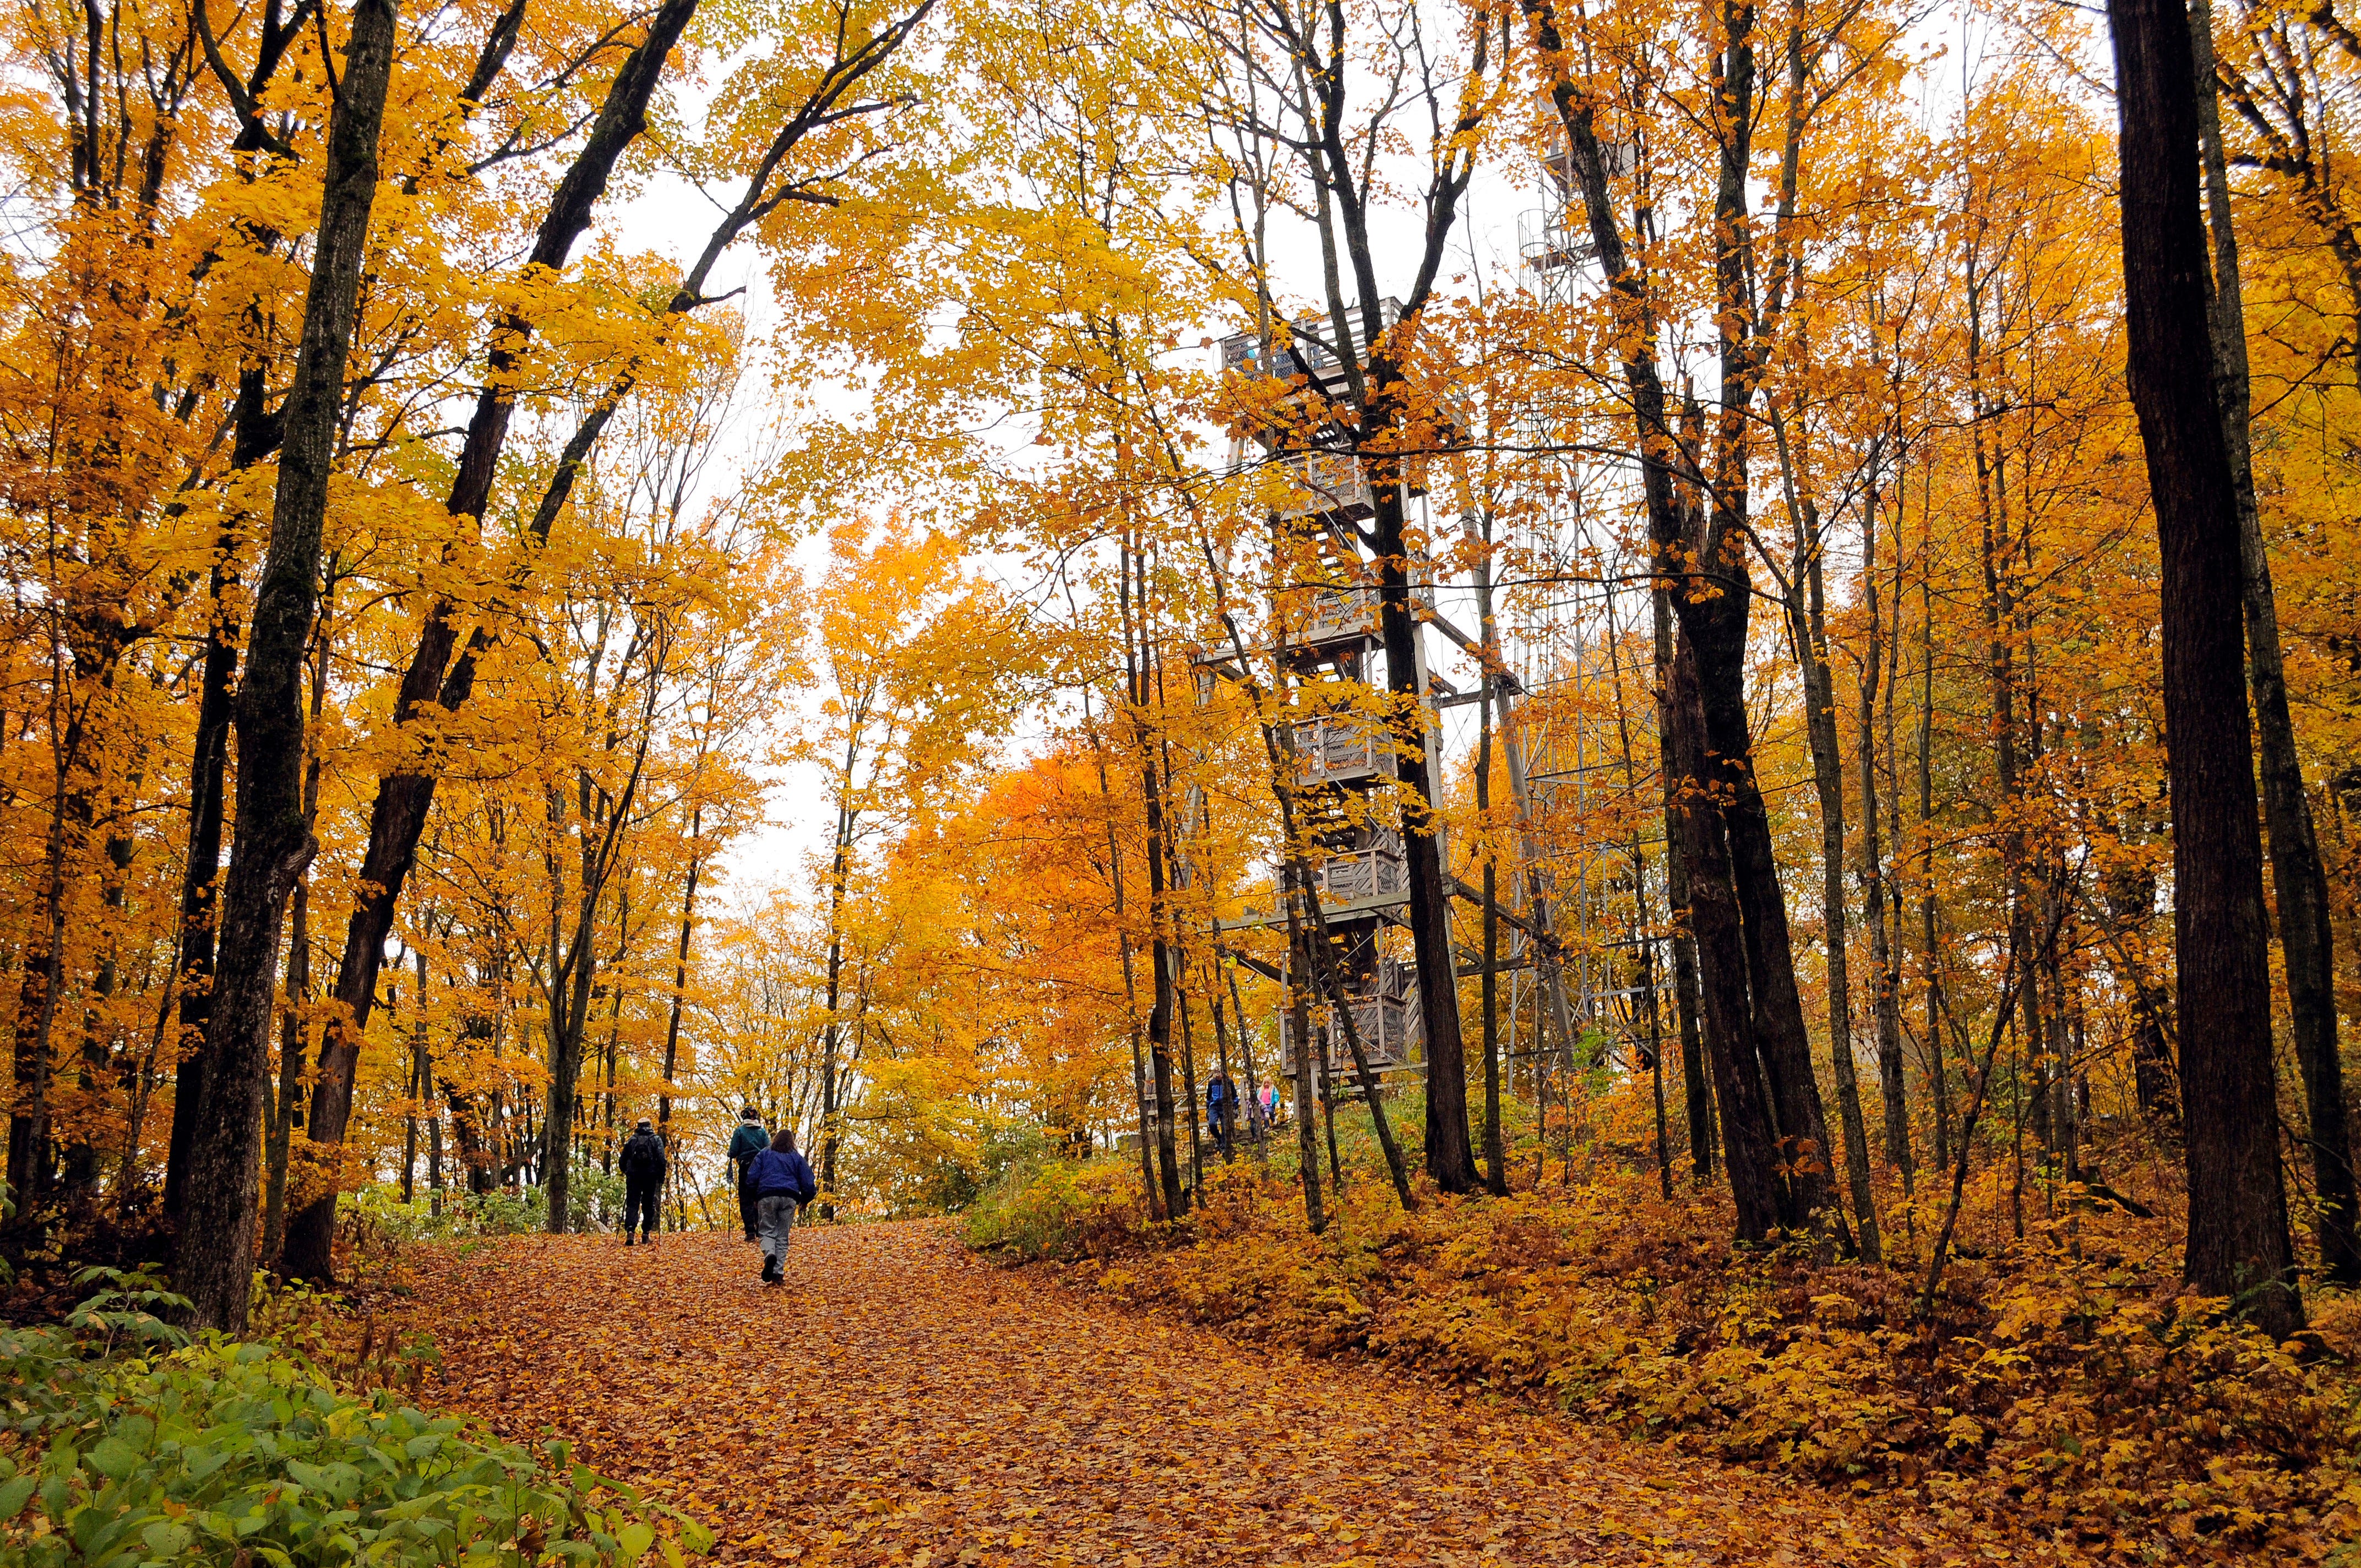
[749,1140]
[1220,1109]
[642,1164]
[782,1182]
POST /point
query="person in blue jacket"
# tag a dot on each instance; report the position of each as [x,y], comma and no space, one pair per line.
[1220,1109]
[782,1181]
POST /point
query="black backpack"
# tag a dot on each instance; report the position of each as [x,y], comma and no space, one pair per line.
[642,1154]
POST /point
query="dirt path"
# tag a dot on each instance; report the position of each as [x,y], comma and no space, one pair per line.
[900,1402]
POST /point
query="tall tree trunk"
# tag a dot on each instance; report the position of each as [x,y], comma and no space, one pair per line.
[1885,990]
[256,436]
[1749,1148]
[2238,1201]
[398,817]
[2307,943]
[1703,558]
[679,982]
[1938,1077]
[1696,1092]
[294,1029]
[1137,654]
[1496,1176]
[1807,624]
[215,1253]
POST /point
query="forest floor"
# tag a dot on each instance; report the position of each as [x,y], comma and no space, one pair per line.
[901,1401]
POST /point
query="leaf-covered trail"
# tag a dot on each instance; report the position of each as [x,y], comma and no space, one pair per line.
[901,1402]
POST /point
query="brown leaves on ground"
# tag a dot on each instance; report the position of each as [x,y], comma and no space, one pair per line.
[900,1402]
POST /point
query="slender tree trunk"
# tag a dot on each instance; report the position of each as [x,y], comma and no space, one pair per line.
[1245,1046]
[1938,1077]
[1160,1013]
[215,1253]
[1493,687]
[1885,990]
[1807,622]
[2237,1202]
[294,1028]
[2307,941]
[679,984]
[1496,1176]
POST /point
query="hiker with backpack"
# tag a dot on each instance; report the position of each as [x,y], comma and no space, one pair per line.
[749,1140]
[783,1183]
[642,1164]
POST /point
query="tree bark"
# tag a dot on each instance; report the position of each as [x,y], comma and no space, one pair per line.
[1885,990]
[1807,619]
[2307,941]
[1698,1092]
[1749,1147]
[215,1252]
[2238,1244]
[398,817]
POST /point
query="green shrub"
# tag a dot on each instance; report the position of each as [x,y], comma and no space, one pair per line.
[1055,1208]
[497,1213]
[122,1445]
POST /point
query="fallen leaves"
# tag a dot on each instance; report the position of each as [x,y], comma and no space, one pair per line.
[900,1402]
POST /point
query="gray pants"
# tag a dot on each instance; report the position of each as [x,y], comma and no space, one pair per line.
[776,1214]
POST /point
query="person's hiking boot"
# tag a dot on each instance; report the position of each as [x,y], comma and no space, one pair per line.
[647,1238]
[771,1274]
[627,1238]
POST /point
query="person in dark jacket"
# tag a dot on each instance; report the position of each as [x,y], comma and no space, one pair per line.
[1221,1111]
[749,1140]
[642,1164]
[783,1183]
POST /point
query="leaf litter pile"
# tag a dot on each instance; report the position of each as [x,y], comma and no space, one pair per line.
[901,1402]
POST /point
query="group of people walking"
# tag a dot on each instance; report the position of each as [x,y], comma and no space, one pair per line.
[1222,1105]
[774,1181]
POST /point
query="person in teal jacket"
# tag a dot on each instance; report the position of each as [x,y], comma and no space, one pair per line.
[750,1139]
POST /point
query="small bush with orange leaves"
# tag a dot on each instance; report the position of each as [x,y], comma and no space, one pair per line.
[2061,1380]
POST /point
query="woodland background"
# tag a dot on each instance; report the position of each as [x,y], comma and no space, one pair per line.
[782,487]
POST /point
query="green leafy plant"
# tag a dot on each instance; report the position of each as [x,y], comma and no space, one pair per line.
[125,1444]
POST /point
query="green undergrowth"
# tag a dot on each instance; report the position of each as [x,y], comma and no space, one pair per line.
[124,1442]
[2063,1383]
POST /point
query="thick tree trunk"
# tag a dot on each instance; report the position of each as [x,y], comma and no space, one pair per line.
[2238,1201]
[1703,560]
[1449,1154]
[1696,1092]
[1749,1148]
[398,817]
[215,1253]
[2307,945]
[1778,1012]
[257,436]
